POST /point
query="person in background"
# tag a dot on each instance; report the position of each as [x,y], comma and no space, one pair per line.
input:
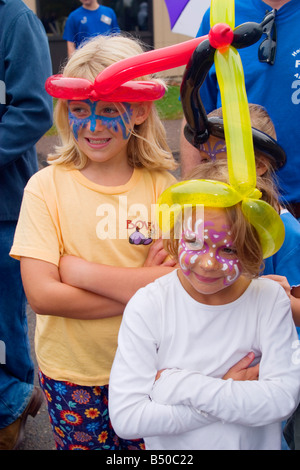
[25,115]
[87,21]
[272,78]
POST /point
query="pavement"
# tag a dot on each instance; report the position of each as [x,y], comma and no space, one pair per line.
[38,435]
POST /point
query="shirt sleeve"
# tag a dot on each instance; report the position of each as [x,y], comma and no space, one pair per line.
[28,113]
[133,413]
[286,261]
[37,234]
[253,403]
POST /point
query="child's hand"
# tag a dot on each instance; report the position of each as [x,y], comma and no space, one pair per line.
[282,280]
[158,256]
[241,371]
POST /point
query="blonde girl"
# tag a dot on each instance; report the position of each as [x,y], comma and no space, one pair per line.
[92,202]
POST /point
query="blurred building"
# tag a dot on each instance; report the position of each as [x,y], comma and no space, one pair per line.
[146,19]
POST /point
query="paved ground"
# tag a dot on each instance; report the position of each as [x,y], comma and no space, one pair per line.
[38,431]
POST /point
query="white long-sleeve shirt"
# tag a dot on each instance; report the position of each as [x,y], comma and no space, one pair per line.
[191,406]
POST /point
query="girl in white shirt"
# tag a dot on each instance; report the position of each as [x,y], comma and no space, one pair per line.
[181,334]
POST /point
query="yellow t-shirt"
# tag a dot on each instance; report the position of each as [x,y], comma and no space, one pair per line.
[65,213]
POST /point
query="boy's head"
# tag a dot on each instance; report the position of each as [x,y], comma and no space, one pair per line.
[269,155]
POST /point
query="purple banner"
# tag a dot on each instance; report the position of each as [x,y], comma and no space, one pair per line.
[175,8]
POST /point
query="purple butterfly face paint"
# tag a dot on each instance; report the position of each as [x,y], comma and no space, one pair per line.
[82,113]
[212,150]
[207,256]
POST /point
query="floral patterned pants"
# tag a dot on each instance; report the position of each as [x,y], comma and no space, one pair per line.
[79,417]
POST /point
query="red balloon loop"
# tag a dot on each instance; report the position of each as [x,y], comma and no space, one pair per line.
[220,36]
[149,62]
[69,88]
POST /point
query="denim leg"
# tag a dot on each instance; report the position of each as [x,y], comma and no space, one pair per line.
[16,366]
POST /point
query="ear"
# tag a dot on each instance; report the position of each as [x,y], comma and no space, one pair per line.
[261,165]
[142,112]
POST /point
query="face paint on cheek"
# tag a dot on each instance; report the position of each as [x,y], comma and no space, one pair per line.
[188,258]
[231,266]
[236,272]
[76,124]
[213,152]
[121,122]
[116,123]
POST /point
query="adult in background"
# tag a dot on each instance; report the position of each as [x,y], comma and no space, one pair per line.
[89,20]
[25,115]
[272,77]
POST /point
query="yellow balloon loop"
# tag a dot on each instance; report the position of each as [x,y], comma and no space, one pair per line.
[254,194]
[222,11]
[237,123]
[209,193]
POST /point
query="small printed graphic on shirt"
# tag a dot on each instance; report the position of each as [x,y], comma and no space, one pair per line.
[84,20]
[296,81]
[139,223]
[138,238]
[106,19]
[135,223]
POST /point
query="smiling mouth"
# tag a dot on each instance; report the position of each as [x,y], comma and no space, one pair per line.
[98,141]
[206,279]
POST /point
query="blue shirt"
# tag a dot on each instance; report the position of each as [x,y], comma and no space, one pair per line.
[25,108]
[276,87]
[83,24]
[286,261]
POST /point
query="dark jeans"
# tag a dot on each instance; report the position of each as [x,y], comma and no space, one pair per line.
[16,366]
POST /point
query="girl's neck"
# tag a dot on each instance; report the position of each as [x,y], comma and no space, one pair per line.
[105,175]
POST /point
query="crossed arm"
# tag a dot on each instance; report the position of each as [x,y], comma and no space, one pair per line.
[82,290]
[183,400]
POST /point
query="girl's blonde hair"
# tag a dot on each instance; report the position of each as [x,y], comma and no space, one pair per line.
[147,146]
[244,235]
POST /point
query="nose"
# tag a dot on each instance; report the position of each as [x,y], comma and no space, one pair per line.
[208,261]
[96,124]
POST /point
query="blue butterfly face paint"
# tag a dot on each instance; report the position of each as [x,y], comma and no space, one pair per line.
[82,113]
